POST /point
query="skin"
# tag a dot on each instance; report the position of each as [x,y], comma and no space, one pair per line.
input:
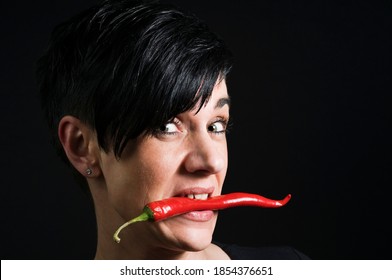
[189,155]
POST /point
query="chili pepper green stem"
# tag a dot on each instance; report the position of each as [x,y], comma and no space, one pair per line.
[144,216]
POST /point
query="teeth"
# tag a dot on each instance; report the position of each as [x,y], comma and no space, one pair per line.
[202,196]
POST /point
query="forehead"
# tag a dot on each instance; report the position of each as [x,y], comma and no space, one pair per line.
[219,97]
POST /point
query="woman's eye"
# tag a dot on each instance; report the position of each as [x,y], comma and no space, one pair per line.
[218,127]
[168,128]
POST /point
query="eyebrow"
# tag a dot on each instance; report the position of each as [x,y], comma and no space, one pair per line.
[222,102]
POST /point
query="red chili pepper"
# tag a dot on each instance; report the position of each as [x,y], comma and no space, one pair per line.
[166,208]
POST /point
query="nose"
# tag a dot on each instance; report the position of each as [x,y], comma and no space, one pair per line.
[206,155]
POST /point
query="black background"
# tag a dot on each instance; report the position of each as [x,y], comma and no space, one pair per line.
[311,113]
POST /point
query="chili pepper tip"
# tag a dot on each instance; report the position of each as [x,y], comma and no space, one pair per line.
[285,200]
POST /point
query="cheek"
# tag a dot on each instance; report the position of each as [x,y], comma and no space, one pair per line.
[222,174]
[138,179]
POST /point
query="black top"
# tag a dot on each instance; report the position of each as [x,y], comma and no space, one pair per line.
[237,252]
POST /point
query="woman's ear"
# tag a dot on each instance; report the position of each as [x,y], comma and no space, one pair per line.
[80,146]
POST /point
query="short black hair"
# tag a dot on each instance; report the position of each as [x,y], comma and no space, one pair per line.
[126,67]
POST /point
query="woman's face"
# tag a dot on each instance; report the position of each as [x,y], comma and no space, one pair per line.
[186,157]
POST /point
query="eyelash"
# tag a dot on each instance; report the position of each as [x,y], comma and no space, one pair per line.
[174,121]
[224,121]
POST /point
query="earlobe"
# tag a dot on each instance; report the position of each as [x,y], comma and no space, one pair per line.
[80,146]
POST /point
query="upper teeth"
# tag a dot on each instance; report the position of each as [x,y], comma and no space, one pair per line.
[198,196]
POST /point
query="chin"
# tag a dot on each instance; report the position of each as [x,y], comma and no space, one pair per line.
[192,236]
[196,240]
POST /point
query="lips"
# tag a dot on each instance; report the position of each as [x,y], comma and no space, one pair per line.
[199,216]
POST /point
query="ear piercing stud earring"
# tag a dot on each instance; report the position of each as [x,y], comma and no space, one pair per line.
[89,171]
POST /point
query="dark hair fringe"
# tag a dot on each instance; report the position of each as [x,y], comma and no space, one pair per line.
[127,67]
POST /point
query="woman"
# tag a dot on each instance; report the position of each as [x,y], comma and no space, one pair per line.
[135,96]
